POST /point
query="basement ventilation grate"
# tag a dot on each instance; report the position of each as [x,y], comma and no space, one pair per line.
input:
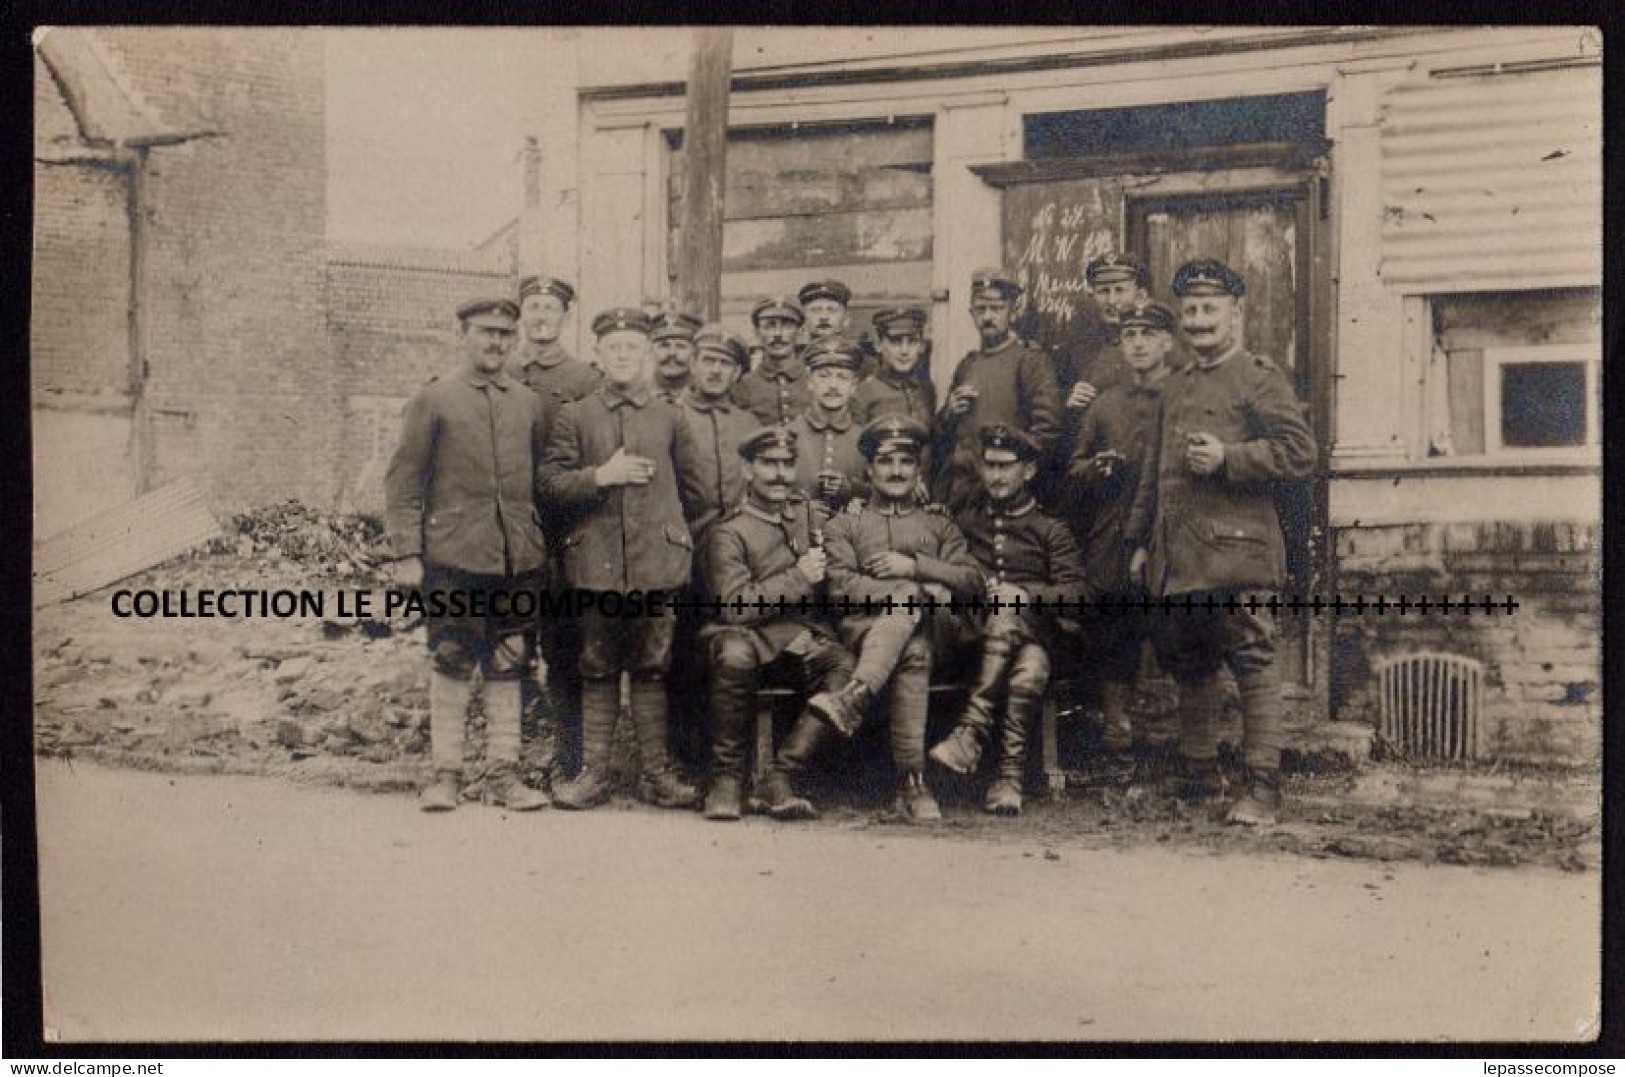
[1429,705]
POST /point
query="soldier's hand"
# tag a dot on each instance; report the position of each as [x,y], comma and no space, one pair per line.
[624,469]
[812,565]
[1136,565]
[1204,454]
[408,573]
[1103,464]
[1082,395]
[961,400]
[891,565]
[938,592]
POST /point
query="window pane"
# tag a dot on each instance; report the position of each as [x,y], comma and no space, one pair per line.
[1543,404]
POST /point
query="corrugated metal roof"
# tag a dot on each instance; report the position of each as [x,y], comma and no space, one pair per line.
[1493,177]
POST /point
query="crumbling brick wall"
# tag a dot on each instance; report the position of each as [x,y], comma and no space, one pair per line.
[230,300]
[1543,663]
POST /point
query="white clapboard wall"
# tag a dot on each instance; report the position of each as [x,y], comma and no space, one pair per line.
[122,541]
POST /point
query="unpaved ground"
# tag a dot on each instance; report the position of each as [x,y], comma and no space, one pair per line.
[343,702]
[191,907]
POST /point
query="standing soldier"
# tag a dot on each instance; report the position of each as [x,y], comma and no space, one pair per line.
[461,519]
[541,362]
[896,387]
[829,467]
[1203,524]
[776,390]
[557,378]
[895,559]
[717,425]
[1092,362]
[764,566]
[827,306]
[673,337]
[618,454]
[1102,478]
[1030,562]
[1005,382]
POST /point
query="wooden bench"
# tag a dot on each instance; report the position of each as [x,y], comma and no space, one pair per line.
[771,700]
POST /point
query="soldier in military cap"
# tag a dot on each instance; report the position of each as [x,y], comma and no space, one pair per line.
[460,519]
[540,361]
[775,391]
[619,455]
[829,467]
[717,426]
[1090,361]
[672,334]
[1203,523]
[1027,558]
[1102,478]
[1004,382]
[890,560]
[556,377]
[765,566]
[897,386]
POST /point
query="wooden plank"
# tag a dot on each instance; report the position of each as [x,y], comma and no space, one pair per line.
[770,149]
[792,192]
[121,542]
[893,282]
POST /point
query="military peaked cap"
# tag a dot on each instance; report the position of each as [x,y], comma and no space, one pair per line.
[1208,276]
[891,433]
[999,436]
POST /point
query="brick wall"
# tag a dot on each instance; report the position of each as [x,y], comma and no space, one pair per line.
[231,298]
[80,325]
[1543,663]
[391,326]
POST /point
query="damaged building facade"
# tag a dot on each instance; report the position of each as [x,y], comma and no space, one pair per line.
[1418,212]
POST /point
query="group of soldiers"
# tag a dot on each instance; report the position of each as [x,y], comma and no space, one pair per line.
[825,526]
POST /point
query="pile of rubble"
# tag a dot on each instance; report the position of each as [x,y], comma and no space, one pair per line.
[324,545]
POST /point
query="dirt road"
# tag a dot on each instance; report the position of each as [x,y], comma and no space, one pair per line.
[198,907]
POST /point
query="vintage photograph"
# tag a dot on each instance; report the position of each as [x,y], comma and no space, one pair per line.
[998,533]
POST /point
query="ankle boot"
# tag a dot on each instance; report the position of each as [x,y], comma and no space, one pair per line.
[914,802]
[961,750]
[1118,734]
[661,785]
[442,794]
[778,793]
[1261,805]
[504,789]
[844,709]
[600,700]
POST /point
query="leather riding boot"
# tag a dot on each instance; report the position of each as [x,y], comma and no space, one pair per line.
[914,802]
[662,786]
[600,700]
[1118,735]
[1004,795]
[778,793]
[961,750]
[844,708]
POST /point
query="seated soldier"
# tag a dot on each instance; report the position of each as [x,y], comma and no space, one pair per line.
[829,468]
[895,557]
[1029,560]
[764,565]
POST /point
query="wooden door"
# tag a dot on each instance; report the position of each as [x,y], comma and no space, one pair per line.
[1266,236]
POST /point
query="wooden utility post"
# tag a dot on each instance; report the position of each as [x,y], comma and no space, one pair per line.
[705,152]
